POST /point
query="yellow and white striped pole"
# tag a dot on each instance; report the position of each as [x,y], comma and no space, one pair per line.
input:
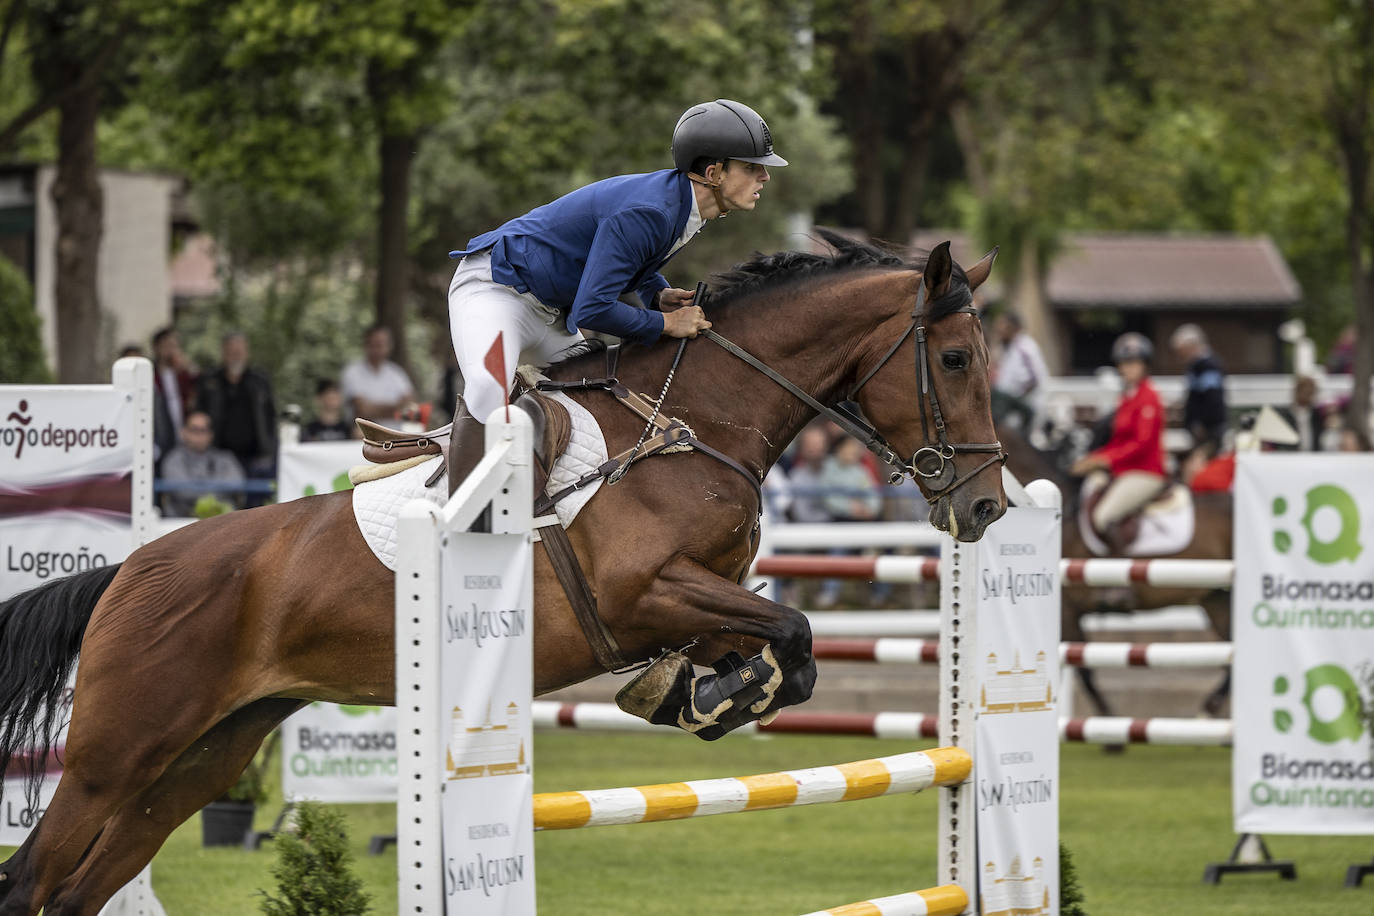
[911,772]
[947,900]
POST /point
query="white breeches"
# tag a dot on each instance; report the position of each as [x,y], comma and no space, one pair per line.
[479,309]
[1127,492]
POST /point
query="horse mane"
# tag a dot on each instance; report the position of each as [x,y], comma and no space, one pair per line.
[765,273]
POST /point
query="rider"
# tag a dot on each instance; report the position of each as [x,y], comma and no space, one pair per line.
[1134,455]
[562,267]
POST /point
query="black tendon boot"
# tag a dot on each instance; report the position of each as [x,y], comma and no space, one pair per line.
[466,445]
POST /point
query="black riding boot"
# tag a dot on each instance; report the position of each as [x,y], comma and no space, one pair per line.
[466,445]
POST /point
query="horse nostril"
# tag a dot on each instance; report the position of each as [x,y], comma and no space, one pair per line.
[986,511]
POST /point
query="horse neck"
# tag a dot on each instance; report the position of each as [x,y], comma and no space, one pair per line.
[812,334]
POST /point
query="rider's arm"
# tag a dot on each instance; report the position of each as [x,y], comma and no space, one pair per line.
[648,291]
[623,244]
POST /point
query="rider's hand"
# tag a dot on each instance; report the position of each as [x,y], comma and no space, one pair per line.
[684,322]
[1087,464]
[672,298]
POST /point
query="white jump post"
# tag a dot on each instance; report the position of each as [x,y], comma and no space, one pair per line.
[503,480]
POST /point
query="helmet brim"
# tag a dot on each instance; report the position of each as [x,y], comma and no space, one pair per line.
[771,159]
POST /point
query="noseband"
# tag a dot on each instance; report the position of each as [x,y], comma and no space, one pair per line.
[933,462]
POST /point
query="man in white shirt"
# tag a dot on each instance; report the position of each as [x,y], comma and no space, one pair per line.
[1019,385]
[374,387]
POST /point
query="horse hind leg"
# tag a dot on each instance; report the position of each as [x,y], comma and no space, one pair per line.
[133,835]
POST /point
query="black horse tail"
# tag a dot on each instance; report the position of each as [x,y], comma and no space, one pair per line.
[40,635]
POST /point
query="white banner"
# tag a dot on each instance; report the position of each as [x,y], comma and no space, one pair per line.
[309,468]
[1016,760]
[487,670]
[1303,621]
[340,754]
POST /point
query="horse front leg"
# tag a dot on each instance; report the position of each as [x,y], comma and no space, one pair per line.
[721,620]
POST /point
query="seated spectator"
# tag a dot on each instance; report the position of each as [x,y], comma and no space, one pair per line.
[1307,418]
[852,493]
[1354,440]
[195,460]
[374,387]
[329,424]
[804,480]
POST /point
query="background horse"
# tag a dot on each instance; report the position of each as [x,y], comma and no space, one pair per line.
[203,641]
[1211,541]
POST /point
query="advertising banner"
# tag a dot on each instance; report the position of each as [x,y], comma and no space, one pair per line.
[487,669]
[66,460]
[340,754]
[1303,622]
[1016,760]
[308,468]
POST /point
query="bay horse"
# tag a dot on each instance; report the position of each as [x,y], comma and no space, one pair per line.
[203,641]
[1211,541]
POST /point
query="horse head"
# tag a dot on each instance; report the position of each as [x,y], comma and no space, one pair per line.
[929,395]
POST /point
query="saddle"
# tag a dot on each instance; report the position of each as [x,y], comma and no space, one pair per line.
[1162,526]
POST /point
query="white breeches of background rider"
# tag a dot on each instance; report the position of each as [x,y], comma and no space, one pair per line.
[1127,492]
[480,308]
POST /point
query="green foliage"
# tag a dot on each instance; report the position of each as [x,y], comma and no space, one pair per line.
[21,357]
[1070,892]
[314,875]
[251,786]
[209,506]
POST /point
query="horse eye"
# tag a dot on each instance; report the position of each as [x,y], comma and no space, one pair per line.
[954,359]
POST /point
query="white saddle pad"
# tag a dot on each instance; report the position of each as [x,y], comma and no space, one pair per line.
[1165,528]
[377,503]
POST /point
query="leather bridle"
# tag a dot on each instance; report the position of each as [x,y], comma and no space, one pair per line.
[933,462]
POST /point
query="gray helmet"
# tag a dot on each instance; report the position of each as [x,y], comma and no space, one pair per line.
[722,130]
[1132,345]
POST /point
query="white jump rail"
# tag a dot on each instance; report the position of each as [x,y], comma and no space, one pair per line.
[918,623]
[879,776]
[1076,654]
[1163,573]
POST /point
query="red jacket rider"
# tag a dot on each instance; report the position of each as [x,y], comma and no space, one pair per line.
[1137,441]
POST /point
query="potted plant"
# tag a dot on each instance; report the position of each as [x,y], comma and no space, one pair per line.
[227,820]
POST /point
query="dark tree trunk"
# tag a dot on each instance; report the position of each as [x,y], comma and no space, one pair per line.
[393,256]
[1356,138]
[80,207]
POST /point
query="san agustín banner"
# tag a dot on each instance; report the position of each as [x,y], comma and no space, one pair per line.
[485,688]
[1303,622]
[1016,750]
[66,456]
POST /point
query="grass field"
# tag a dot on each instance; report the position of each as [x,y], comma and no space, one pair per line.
[1140,827]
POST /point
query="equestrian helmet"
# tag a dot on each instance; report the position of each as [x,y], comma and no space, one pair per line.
[722,130]
[1132,345]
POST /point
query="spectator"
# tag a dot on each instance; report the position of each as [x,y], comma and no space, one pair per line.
[1341,359]
[174,389]
[130,349]
[329,424]
[195,460]
[239,401]
[1354,440]
[1204,410]
[804,480]
[1307,418]
[374,387]
[1018,392]
[852,493]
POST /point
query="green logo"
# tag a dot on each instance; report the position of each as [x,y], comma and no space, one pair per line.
[1347,723]
[1345,545]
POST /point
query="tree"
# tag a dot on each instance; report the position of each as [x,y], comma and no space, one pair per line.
[74,50]
[1301,73]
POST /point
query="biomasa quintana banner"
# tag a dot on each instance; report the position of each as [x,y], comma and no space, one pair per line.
[1303,621]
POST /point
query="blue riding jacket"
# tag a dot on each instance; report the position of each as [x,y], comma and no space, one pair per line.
[581,252]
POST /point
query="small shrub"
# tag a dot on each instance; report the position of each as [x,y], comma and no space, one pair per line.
[21,358]
[1070,894]
[209,506]
[314,869]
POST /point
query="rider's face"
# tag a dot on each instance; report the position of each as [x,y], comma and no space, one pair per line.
[741,183]
[1132,370]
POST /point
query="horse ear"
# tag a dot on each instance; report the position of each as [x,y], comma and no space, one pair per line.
[979,272]
[939,270]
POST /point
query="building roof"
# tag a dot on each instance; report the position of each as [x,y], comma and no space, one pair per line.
[1151,271]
